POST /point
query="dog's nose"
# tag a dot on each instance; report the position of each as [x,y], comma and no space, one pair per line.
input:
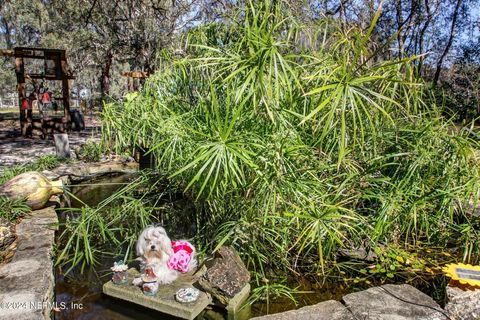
[152,247]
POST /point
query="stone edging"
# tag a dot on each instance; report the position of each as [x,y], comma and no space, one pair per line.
[79,171]
[386,302]
[27,283]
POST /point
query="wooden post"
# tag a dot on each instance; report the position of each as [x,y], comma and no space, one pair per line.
[134,78]
[62,145]
[20,70]
[129,84]
[65,90]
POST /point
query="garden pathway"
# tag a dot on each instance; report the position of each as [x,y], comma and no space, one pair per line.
[16,150]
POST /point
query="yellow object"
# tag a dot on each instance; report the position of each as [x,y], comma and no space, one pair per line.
[33,187]
[465,273]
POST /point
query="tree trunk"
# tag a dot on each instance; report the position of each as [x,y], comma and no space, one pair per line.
[449,43]
[422,36]
[400,22]
[7,33]
[105,75]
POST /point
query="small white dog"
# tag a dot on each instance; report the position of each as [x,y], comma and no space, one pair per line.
[165,258]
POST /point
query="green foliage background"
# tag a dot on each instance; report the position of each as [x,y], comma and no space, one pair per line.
[297,141]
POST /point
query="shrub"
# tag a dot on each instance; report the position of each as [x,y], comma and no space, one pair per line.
[91,151]
[297,142]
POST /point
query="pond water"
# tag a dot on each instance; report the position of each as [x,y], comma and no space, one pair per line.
[85,289]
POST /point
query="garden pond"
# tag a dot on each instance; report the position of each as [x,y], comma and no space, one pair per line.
[85,287]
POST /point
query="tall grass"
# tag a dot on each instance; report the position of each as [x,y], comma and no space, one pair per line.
[297,143]
[12,210]
[112,227]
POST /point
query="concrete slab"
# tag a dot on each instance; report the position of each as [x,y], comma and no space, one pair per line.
[164,301]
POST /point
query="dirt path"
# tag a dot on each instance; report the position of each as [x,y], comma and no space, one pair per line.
[16,150]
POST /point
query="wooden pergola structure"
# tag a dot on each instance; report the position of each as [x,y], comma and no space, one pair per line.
[55,68]
[131,76]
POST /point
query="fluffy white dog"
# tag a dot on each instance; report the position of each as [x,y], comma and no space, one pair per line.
[165,258]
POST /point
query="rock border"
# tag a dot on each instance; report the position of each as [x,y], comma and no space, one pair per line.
[80,171]
[8,240]
[393,302]
[27,281]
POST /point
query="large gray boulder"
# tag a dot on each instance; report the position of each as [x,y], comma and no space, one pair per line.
[226,275]
[328,310]
[463,302]
[393,302]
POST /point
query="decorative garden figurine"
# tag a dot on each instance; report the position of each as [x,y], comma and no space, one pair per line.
[119,272]
[150,283]
[33,187]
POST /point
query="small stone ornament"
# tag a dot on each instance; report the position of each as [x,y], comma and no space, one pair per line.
[187,295]
[119,272]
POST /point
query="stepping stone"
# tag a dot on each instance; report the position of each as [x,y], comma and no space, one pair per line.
[164,301]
